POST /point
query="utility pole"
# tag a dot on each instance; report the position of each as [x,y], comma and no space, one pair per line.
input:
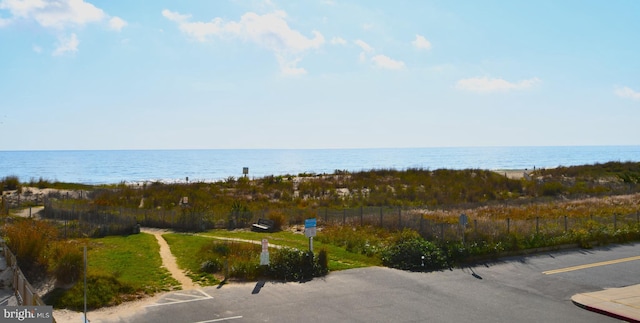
[85,285]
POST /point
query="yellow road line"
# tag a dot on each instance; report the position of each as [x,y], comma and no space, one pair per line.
[596,264]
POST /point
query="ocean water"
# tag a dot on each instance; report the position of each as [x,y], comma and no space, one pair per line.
[115,166]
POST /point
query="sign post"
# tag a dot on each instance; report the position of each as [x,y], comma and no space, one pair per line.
[310,231]
[264,255]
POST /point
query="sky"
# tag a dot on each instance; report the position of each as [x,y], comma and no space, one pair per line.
[253,74]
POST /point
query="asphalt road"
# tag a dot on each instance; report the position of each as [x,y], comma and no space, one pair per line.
[519,289]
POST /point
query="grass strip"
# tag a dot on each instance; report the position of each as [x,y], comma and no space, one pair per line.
[186,248]
[134,260]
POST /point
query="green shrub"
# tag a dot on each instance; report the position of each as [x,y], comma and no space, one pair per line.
[322,263]
[409,251]
[101,291]
[296,265]
[211,266]
[247,270]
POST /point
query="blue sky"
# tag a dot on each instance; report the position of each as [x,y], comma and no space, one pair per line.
[82,74]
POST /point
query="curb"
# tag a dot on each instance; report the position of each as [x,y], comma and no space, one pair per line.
[604,312]
[598,303]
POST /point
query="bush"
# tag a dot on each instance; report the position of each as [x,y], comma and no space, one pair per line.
[408,250]
[101,291]
[278,219]
[29,240]
[212,266]
[293,264]
[10,183]
[67,263]
[322,263]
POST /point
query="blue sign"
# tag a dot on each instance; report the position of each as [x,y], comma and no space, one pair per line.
[310,223]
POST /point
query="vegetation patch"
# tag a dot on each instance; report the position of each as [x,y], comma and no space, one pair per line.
[120,268]
[339,258]
[208,260]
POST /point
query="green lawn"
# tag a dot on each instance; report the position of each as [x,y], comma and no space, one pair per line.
[133,260]
[186,248]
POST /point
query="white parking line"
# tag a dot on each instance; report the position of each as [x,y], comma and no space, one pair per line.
[175,301]
[221,319]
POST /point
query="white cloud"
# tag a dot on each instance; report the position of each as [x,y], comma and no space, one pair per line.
[4,22]
[270,31]
[628,93]
[487,85]
[365,47]
[421,43]
[386,62]
[66,45]
[174,16]
[381,61]
[37,49]
[55,13]
[289,67]
[338,41]
[117,23]
[59,15]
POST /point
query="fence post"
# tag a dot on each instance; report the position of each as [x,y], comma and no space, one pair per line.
[381,225]
[565,223]
[508,225]
[637,216]
[442,231]
[399,217]
[475,227]
[421,225]
[361,217]
[344,216]
[537,225]
[615,222]
[325,214]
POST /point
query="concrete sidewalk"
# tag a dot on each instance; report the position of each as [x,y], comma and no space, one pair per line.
[622,303]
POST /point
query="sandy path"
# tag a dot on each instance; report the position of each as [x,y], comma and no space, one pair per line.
[169,261]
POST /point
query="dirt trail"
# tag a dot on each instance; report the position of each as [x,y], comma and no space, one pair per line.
[169,261]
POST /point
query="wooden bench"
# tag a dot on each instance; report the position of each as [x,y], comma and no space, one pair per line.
[263,225]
